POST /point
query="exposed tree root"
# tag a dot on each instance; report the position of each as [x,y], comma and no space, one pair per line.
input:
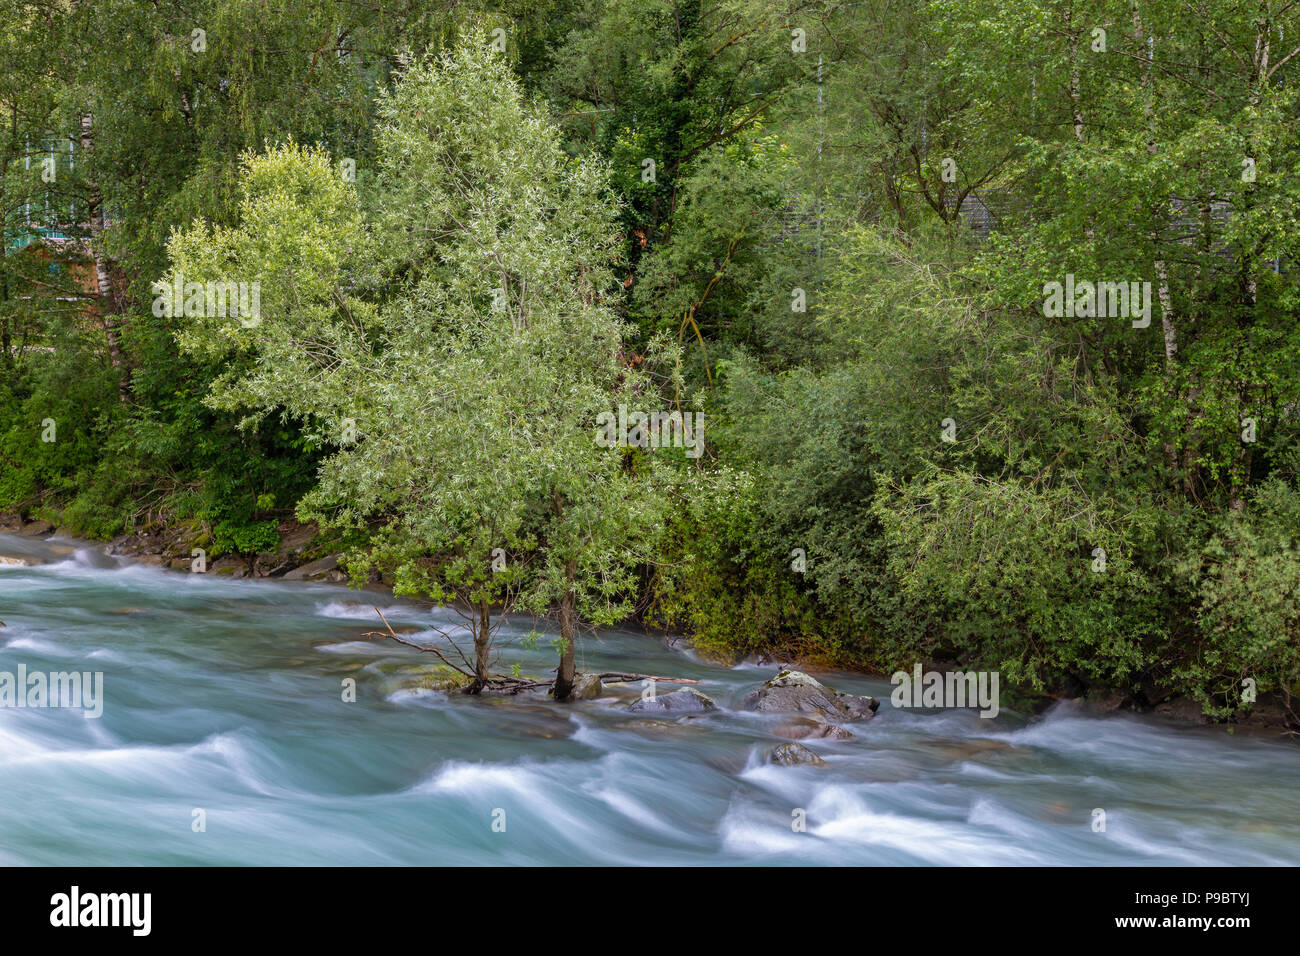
[506,683]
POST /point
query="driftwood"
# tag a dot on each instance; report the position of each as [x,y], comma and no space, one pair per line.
[503,682]
[625,678]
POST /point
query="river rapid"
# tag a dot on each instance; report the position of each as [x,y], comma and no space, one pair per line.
[225,697]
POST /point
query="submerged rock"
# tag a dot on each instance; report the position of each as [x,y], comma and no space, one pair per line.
[793,755]
[803,728]
[681,727]
[794,692]
[966,749]
[684,701]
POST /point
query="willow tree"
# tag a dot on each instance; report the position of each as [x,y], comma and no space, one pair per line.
[447,332]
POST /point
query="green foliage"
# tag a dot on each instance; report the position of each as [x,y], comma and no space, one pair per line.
[438,335]
[732,598]
[1245,582]
[968,555]
[231,537]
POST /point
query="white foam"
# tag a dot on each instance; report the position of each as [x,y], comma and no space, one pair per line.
[37,646]
[463,778]
[355,611]
[348,647]
[849,818]
[748,837]
[987,813]
[634,810]
[16,747]
[422,696]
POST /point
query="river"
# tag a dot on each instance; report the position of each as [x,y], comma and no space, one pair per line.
[225,697]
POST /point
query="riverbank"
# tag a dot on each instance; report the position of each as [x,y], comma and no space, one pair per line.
[304,554]
[307,555]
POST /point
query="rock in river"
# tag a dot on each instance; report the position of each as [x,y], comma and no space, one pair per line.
[792,755]
[684,701]
[803,728]
[794,692]
[586,687]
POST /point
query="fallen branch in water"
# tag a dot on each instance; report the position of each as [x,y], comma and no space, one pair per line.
[627,678]
[394,636]
[512,685]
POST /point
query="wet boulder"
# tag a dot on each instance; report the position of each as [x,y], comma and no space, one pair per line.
[684,701]
[794,755]
[585,687]
[323,570]
[227,567]
[794,692]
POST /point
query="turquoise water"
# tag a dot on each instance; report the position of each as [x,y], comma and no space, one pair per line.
[225,696]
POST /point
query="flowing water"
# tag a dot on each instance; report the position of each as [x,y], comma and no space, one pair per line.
[225,697]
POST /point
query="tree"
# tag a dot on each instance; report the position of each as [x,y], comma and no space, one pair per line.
[459,328]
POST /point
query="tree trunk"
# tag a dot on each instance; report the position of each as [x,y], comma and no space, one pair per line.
[482,645]
[568,628]
[8,326]
[1167,328]
[103,286]
[1075,95]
